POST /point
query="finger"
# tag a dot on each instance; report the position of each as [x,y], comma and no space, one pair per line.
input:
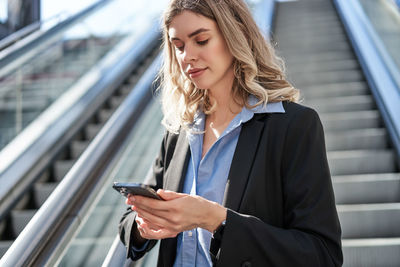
[148,233]
[144,223]
[154,220]
[166,214]
[169,195]
[129,199]
[149,203]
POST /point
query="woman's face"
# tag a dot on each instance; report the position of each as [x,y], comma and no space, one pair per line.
[201,51]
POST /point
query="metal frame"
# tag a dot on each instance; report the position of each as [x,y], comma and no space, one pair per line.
[18,172]
[18,35]
[17,54]
[381,73]
[50,229]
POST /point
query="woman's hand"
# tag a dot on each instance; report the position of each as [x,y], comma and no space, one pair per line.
[178,212]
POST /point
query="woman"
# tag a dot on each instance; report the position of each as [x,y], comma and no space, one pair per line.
[249,162]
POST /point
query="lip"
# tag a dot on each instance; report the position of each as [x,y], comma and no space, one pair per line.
[193,73]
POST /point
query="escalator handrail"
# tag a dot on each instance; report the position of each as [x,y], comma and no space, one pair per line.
[116,255]
[25,158]
[14,56]
[381,73]
[18,35]
[39,241]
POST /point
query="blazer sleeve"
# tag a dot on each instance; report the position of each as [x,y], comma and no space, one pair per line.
[127,226]
[310,235]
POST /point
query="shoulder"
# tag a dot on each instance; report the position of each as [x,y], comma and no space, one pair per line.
[296,121]
[294,112]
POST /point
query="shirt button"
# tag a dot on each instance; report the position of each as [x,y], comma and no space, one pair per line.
[190,234]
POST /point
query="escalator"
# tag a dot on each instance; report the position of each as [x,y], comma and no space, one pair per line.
[56,94]
[364,164]
[77,224]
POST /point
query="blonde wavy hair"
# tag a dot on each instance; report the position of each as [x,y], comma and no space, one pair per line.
[257,69]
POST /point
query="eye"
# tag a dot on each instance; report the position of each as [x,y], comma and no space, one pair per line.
[180,48]
[202,42]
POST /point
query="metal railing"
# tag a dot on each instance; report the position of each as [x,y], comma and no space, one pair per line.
[15,55]
[44,238]
[18,35]
[21,162]
[381,73]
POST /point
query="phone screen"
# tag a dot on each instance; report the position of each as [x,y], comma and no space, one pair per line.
[136,189]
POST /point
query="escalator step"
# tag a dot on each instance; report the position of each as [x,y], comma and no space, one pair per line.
[371,252]
[20,219]
[370,220]
[105,114]
[42,191]
[361,162]
[318,22]
[125,90]
[91,130]
[282,36]
[4,246]
[334,90]
[350,120]
[116,101]
[308,35]
[77,148]
[324,66]
[61,168]
[328,77]
[315,47]
[342,104]
[303,58]
[373,138]
[370,188]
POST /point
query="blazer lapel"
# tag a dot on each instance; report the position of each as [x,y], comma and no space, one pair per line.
[242,163]
[175,175]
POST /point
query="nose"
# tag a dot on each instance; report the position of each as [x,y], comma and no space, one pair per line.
[189,54]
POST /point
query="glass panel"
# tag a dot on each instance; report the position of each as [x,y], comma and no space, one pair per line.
[3,11]
[27,91]
[384,16]
[96,234]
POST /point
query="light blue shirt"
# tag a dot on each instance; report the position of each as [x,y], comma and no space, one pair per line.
[207,177]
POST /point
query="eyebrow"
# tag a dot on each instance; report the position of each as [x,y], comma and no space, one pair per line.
[193,33]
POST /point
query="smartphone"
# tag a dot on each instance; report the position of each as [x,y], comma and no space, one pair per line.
[136,189]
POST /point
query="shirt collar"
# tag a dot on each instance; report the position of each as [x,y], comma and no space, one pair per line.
[244,116]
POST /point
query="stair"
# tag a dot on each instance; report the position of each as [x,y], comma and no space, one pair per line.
[365,175]
[34,88]
[13,223]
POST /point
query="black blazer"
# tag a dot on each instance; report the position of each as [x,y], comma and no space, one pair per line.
[281,207]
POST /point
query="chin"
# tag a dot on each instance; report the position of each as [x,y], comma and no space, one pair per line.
[200,86]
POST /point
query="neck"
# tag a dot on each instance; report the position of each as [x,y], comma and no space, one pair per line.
[226,108]
[221,93]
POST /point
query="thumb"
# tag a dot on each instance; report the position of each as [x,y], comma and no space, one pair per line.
[169,195]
